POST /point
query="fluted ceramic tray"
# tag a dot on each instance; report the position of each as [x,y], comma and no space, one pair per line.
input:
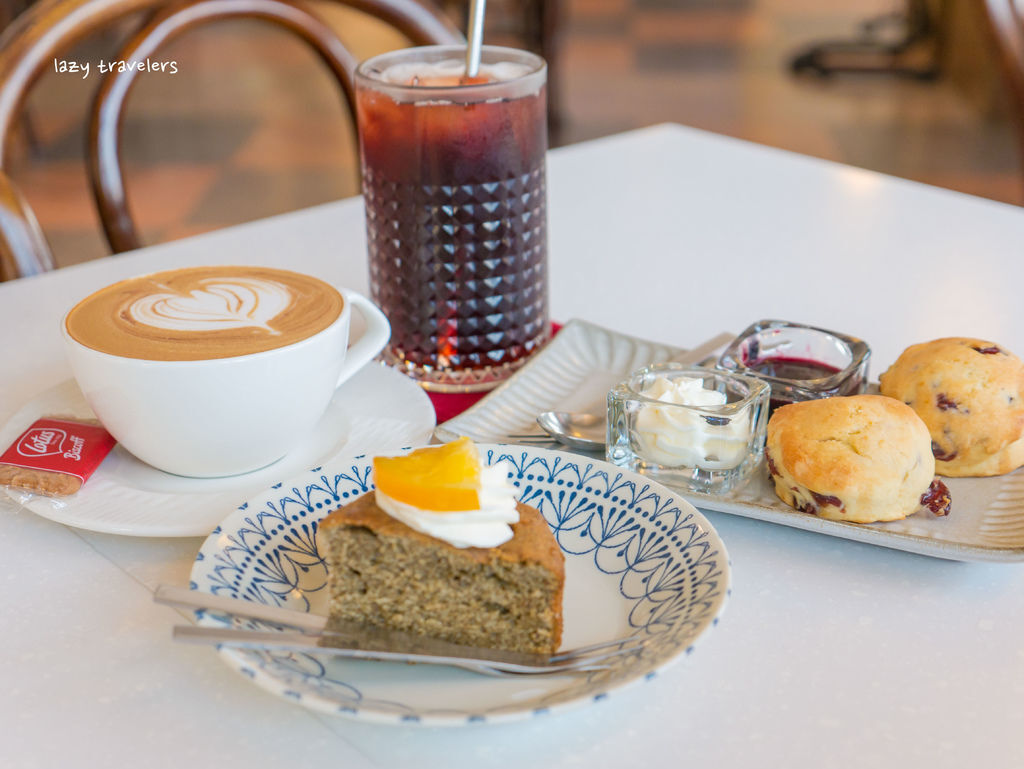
[987,518]
[574,372]
[638,561]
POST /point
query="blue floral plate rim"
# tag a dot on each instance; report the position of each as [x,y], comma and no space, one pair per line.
[640,559]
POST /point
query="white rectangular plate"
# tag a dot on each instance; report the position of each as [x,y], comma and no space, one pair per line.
[578,367]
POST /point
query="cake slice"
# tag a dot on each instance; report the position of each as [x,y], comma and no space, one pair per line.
[382,571]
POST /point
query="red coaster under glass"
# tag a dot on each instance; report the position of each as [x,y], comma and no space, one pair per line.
[450,405]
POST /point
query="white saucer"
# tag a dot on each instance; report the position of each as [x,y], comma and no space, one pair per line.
[377,410]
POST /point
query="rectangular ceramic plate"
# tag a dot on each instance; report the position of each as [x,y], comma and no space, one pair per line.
[578,367]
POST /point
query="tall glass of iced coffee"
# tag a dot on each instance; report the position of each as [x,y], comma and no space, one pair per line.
[453,182]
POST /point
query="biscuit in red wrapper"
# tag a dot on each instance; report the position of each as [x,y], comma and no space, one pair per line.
[54,456]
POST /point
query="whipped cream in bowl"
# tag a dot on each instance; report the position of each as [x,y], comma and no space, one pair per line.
[688,426]
[489,526]
[696,435]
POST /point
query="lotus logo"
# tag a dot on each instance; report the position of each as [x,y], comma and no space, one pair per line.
[41,442]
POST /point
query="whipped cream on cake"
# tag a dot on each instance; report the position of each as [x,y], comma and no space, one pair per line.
[488,526]
[678,437]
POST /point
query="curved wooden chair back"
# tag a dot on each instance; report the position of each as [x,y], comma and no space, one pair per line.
[51,27]
[1006,21]
[23,249]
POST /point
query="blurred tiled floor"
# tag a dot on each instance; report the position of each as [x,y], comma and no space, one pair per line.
[252,125]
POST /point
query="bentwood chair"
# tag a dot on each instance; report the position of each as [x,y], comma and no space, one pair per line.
[51,27]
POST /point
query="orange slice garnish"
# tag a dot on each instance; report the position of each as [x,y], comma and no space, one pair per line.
[441,478]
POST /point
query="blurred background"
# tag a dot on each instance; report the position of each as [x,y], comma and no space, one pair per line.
[253,125]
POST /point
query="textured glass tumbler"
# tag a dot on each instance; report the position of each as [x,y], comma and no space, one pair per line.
[456,212]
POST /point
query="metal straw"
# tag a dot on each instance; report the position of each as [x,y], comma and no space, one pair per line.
[476,37]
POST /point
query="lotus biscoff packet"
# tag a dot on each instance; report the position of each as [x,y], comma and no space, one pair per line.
[55,456]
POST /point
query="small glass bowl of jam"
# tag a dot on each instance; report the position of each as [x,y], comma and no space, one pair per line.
[799,362]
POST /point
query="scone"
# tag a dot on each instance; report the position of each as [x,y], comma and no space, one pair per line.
[859,458]
[443,549]
[970,394]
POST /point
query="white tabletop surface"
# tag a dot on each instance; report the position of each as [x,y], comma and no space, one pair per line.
[831,653]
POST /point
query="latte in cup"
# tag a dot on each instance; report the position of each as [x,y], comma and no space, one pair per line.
[213,371]
[204,313]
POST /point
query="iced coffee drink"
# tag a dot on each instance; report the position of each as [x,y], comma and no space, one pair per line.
[453,182]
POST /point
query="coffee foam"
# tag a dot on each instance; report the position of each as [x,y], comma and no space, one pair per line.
[201,313]
[218,303]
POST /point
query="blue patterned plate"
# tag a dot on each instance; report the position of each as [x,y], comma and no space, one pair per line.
[639,560]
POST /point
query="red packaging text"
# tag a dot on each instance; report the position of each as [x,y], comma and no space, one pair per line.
[60,446]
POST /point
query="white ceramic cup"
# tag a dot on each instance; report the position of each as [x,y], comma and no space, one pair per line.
[225,416]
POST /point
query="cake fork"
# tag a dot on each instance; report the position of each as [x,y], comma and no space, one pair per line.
[355,641]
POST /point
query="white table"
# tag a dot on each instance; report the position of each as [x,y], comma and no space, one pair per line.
[830,654]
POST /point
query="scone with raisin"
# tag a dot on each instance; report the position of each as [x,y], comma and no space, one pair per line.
[859,458]
[970,394]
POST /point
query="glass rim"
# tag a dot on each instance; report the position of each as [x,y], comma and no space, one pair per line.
[757,388]
[538,72]
[731,361]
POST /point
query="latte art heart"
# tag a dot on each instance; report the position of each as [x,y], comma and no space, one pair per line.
[219,304]
[204,312]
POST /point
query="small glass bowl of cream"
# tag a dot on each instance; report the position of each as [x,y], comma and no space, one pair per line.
[688,427]
[800,362]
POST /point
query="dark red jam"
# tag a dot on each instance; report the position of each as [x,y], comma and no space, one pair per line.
[796,370]
[987,350]
[792,368]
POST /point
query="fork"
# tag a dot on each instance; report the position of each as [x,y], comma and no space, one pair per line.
[355,641]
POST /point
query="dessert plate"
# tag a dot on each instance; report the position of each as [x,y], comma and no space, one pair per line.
[987,518]
[639,560]
[378,409]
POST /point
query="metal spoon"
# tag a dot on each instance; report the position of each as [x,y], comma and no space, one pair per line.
[586,432]
[577,430]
